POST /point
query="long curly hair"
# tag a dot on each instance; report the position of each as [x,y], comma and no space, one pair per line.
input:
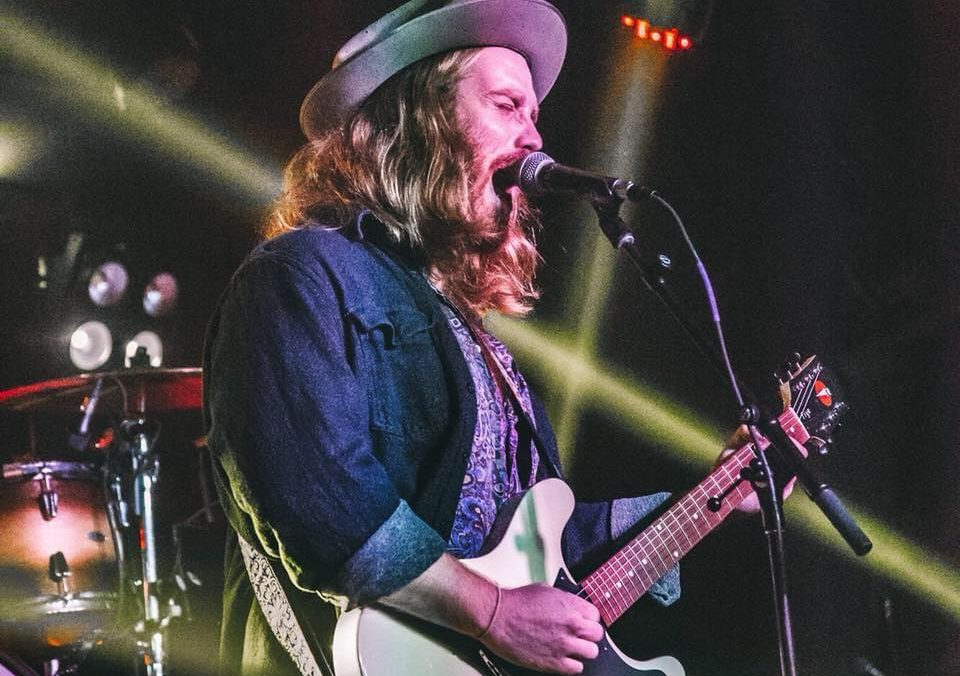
[404,157]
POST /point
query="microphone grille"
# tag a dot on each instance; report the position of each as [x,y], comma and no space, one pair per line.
[529,168]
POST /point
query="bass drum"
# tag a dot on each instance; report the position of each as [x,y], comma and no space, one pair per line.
[58,569]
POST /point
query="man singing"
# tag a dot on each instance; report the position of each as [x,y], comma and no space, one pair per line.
[366,428]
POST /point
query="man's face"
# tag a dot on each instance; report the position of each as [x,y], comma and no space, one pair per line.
[497,110]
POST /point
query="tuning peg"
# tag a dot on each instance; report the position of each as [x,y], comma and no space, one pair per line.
[820,446]
[786,369]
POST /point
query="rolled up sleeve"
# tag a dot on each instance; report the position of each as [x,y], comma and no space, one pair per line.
[625,514]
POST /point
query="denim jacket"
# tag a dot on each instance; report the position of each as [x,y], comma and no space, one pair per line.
[340,412]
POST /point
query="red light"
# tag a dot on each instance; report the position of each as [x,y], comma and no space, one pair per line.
[685,42]
[670,39]
[642,27]
[655,36]
[628,20]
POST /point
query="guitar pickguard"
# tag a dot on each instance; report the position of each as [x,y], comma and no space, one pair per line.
[610,661]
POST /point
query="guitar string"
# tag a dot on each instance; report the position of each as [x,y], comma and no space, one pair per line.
[809,388]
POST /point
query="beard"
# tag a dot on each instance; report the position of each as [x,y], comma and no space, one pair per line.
[500,212]
[488,260]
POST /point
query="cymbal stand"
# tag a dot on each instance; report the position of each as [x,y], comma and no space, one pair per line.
[145,465]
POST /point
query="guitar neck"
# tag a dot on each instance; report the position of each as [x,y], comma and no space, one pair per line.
[620,582]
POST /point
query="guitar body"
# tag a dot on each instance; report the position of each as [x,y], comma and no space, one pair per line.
[376,641]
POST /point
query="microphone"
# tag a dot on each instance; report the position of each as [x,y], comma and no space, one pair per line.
[538,174]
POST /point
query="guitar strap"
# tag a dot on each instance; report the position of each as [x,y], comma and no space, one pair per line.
[525,417]
[278,611]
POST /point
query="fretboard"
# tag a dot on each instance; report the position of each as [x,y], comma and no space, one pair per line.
[621,581]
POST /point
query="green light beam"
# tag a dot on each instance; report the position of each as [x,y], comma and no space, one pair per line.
[626,116]
[80,80]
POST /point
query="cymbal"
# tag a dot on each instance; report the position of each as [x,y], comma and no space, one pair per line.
[141,390]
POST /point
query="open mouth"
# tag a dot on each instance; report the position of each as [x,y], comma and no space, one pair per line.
[505,178]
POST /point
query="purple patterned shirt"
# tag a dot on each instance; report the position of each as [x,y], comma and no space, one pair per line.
[493,474]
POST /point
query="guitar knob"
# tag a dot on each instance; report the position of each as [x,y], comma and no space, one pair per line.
[820,446]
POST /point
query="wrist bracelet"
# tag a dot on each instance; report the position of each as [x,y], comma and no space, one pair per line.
[493,616]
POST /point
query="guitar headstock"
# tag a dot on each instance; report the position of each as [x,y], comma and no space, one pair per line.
[813,393]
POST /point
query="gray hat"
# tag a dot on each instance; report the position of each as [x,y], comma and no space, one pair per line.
[422,28]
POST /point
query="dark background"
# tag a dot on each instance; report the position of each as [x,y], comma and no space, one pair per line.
[812,149]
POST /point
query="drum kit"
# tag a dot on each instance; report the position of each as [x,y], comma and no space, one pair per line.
[93,574]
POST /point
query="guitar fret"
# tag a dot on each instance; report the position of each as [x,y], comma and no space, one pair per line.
[639,568]
[617,590]
[684,526]
[623,584]
[619,564]
[610,593]
[637,565]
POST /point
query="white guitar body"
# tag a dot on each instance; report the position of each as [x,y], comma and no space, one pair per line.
[374,641]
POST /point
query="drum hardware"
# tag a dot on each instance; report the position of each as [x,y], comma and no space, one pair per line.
[81,439]
[59,572]
[117,505]
[139,439]
[48,498]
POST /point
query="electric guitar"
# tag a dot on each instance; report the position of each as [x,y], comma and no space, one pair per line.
[377,641]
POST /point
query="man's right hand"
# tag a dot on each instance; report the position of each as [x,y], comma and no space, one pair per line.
[535,626]
[543,628]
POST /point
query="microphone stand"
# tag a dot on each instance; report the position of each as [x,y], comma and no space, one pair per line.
[606,200]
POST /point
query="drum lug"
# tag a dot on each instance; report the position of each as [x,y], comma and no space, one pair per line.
[49,499]
[59,572]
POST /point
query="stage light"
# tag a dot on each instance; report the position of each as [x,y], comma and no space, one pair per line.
[90,345]
[148,340]
[108,283]
[160,296]
[668,38]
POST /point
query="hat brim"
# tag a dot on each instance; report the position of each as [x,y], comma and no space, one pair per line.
[533,28]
